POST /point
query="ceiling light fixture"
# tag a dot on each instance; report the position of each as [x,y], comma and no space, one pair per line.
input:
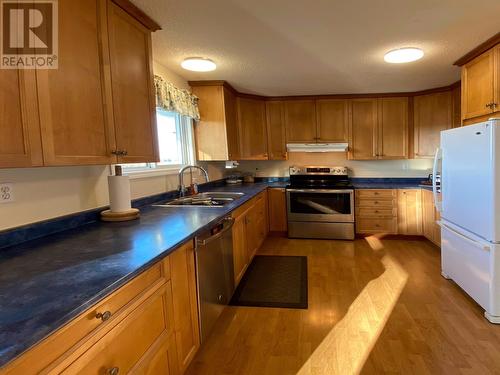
[403,55]
[198,64]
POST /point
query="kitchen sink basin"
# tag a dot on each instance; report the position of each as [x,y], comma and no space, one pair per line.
[208,199]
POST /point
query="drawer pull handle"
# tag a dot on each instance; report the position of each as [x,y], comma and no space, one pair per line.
[104,316]
[113,371]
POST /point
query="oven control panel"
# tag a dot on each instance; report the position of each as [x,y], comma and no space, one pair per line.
[295,170]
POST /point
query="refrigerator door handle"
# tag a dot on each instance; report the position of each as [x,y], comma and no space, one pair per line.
[437,157]
[464,237]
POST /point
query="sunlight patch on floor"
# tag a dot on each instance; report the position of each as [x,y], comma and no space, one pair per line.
[347,346]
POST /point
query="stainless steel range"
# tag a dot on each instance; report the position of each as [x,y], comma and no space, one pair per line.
[320,203]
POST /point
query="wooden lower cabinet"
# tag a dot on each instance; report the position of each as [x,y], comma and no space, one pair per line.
[185,306]
[376,211]
[410,211]
[240,254]
[124,346]
[397,211]
[148,326]
[430,229]
[249,231]
[277,210]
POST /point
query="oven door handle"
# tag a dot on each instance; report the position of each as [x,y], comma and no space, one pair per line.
[323,191]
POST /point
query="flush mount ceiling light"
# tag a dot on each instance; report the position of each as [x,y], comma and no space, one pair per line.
[403,55]
[198,64]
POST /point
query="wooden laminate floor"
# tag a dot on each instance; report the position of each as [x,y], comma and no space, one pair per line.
[376,306]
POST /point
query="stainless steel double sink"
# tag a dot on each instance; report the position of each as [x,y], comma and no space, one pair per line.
[208,199]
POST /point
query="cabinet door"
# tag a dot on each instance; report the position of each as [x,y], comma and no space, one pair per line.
[427,214]
[363,129]
[276,134]
[393,128]
[253,227]
[410,212]
[231,125]
[456,95]
[277,210]
[75,117]
[333,120]
[240,253]
[161,360]
[185,305]
[300,121]
[210,130]
[478,86]
[20,144]
[496,98]
[432,114]
[252,129]
[132,87]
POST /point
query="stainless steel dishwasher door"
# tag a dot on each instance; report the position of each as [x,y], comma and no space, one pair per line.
[215,273]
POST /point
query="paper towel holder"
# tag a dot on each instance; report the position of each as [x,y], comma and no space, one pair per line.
[125,215]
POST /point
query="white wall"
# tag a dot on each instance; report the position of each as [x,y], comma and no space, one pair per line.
[369,168]
[48,192]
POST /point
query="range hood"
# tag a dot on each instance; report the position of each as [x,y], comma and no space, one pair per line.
[317,147]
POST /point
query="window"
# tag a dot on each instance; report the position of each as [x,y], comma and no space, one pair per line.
[175,144]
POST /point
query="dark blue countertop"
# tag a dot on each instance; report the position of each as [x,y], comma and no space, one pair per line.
[45,283]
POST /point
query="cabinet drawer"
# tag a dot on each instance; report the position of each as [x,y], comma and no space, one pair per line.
[376,212]
[375,225]
[129,340]
[374,203]
[378,194]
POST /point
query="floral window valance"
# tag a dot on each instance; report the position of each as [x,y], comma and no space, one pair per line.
[171,98]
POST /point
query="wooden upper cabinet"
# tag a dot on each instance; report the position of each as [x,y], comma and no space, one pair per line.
[332,120]
[300,121]
[75,118]
[363,129]
[132,87]
[231,121]
[252,128]
[392,142]
[432,114]
[20,144]
[276,133]
[217,131]
[478,88]
[456,94]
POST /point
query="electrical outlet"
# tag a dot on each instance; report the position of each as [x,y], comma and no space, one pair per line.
[6,193]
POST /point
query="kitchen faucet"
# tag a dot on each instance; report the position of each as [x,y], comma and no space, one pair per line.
[182,188]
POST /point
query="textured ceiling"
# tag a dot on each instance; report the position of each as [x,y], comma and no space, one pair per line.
[298,47]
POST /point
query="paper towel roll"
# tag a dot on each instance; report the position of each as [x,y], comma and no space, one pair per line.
[119,193]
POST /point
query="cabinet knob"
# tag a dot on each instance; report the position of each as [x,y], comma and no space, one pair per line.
[103,316]
[113,371]
[220,298]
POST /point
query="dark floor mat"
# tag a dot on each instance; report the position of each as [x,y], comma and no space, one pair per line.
[274,281]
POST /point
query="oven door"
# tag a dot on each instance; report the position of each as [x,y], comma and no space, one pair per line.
[325,205]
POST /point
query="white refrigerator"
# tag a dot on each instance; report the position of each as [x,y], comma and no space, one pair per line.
[469,202]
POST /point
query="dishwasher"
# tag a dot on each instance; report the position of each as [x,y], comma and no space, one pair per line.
[214,273]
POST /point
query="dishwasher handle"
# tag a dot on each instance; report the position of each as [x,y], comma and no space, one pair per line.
[227,225]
